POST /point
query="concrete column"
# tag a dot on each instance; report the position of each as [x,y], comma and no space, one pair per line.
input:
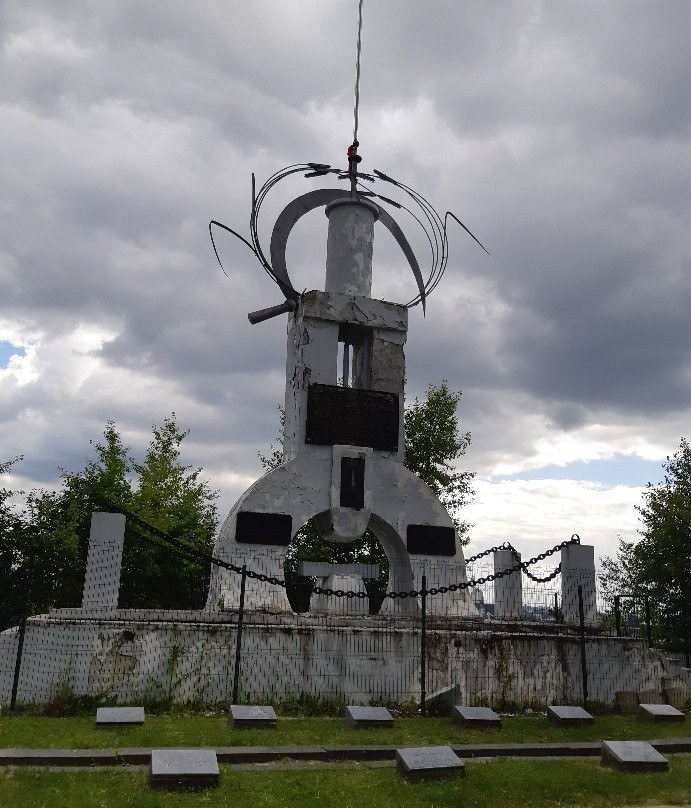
[349,247]
[578,569]
[102,579]
[508,591]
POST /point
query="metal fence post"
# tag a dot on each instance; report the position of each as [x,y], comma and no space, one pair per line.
[238,640]
[423,648]
[584,665]
[26,601]
[617,615]
[557,617]
[648,630]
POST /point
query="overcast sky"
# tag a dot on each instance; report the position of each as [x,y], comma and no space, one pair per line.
[559,132]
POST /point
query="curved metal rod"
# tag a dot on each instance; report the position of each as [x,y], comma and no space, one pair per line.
[296,209]
[230,230]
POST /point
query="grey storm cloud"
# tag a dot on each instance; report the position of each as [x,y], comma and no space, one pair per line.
[558,131]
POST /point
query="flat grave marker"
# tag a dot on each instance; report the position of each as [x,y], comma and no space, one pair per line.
[442,701]
[632,756]
[183,768]
[429,763]
[364,717]
[660,713]
[255,715]
[476,717]
[569,716]
[110,716]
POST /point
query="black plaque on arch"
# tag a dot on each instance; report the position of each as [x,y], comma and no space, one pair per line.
[431,540]
[253,527]
[352,417]
[353,482]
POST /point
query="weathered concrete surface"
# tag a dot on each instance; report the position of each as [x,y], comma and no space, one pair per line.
[135,655]
[568,715]
[508,590]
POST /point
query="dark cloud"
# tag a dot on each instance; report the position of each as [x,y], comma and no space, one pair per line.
[557,131]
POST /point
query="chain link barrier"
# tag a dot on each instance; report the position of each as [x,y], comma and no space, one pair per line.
[192,554]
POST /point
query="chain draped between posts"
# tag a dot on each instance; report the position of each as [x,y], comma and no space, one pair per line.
[193,554]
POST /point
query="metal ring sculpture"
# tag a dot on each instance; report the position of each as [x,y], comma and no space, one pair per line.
[433,226]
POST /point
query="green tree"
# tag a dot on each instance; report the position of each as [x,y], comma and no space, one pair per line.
[54,527]
[174,498]
[659,564]
[433,442]
[12,559]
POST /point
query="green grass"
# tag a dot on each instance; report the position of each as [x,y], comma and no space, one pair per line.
[494,784]
[213,730]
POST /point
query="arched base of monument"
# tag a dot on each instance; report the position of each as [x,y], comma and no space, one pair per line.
[149,656]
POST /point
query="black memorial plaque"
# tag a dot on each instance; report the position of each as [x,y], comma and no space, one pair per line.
[264,528]
[352,417]
[431,540]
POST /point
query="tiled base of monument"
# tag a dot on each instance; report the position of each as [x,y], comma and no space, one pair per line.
[429,763]
[632,756]
[183,768]
[118,654]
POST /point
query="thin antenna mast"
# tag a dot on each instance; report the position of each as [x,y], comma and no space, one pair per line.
[353,157]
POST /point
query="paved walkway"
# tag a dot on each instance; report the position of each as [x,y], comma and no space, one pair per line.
[311,755]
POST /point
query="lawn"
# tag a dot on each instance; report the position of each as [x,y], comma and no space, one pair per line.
[492,784]
[213,730]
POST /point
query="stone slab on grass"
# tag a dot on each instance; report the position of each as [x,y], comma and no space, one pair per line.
[360,716]
[173,769]
[569,716]
[441,702]
[632,756]
[108,716]
[429,763]
[660,713]
[256,715]
[476,717]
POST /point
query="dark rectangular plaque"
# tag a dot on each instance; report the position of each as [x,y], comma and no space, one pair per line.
[264,528]
[353,482]
[431,540]
[351,417]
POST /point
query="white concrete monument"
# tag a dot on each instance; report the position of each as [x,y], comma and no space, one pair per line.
[344,430]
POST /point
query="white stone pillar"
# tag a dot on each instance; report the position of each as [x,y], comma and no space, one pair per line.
[102,579]
[508,590]
[578,569]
